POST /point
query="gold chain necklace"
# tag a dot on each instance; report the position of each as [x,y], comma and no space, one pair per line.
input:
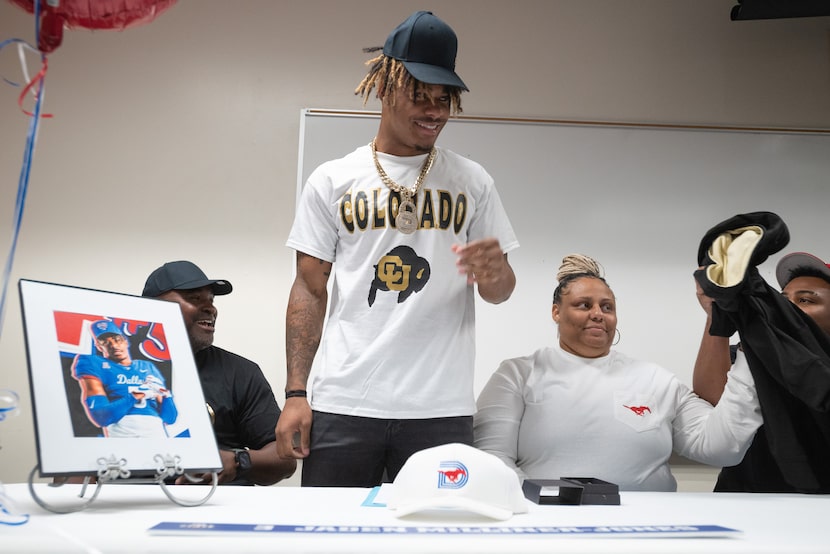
[406,220]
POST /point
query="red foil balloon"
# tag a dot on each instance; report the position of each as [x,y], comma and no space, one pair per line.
[55,15]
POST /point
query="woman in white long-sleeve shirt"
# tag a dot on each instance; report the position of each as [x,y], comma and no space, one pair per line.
[580,409]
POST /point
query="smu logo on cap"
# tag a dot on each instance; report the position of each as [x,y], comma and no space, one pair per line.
[452,475]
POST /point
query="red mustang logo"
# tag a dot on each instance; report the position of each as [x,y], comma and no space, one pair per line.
[453,474]
[639,410]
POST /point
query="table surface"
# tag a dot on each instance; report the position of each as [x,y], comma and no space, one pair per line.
[120,518]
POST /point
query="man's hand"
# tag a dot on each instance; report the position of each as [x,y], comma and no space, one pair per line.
[153,386]
[484,263]
[480,259]
[227,474]
[705,301]
[294,429]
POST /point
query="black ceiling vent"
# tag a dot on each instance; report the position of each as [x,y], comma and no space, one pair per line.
[779,9]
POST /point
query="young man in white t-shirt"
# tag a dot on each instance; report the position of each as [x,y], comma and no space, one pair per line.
[411,229]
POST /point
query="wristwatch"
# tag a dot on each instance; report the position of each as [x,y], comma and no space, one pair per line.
[243,461]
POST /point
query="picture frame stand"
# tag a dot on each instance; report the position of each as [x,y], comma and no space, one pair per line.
[113,469]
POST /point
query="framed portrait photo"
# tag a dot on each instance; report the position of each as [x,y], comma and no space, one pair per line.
[112,377]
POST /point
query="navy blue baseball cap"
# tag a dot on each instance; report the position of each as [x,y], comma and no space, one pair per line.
[427,47]
[104,327]
[182,275]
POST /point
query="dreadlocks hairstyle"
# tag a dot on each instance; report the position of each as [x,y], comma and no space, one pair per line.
[387,75]
[573,267]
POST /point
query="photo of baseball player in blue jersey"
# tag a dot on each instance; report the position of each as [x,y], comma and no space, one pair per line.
[123,396]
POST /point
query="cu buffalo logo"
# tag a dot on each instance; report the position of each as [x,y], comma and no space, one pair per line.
[452,475]
[401,271]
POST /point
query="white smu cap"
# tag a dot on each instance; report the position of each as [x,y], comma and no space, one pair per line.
[457,476]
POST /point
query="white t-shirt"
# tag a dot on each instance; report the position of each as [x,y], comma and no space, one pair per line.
[553,415]
[399,342]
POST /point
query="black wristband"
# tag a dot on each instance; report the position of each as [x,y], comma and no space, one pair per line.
[295,394]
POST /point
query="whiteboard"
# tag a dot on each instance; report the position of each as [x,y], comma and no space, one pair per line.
[637,198]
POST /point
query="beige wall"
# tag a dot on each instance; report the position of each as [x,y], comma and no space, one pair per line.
[179,139]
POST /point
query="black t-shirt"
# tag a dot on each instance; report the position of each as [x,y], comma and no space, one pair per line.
[245,411]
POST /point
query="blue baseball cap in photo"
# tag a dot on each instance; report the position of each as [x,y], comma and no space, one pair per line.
[182,275]
[104,327]
[427,47]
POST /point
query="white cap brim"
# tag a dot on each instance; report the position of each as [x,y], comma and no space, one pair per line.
[454,503]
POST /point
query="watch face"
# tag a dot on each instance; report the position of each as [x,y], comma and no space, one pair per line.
[243,459]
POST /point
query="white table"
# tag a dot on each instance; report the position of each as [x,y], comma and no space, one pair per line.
[119,519]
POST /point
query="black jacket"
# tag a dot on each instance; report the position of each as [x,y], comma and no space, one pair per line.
[788,354]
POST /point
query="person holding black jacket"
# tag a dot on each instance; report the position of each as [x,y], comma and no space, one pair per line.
[786,339]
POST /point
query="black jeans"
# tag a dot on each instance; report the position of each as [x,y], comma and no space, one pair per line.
[352,451]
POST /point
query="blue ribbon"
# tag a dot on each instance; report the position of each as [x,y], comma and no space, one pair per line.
[23,182]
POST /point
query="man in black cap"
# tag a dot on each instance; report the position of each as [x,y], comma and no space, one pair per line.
[414,230]
[793,458]
[239,399]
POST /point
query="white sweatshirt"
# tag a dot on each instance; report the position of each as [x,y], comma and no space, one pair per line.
[553,414]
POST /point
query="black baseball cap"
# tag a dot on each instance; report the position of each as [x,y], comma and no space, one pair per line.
[427,47]
[182,275]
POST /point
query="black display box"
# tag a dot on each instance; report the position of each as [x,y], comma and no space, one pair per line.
[571,491]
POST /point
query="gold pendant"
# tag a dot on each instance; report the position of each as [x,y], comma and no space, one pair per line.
[406,221]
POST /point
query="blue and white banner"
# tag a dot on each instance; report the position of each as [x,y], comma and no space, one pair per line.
[192,528]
